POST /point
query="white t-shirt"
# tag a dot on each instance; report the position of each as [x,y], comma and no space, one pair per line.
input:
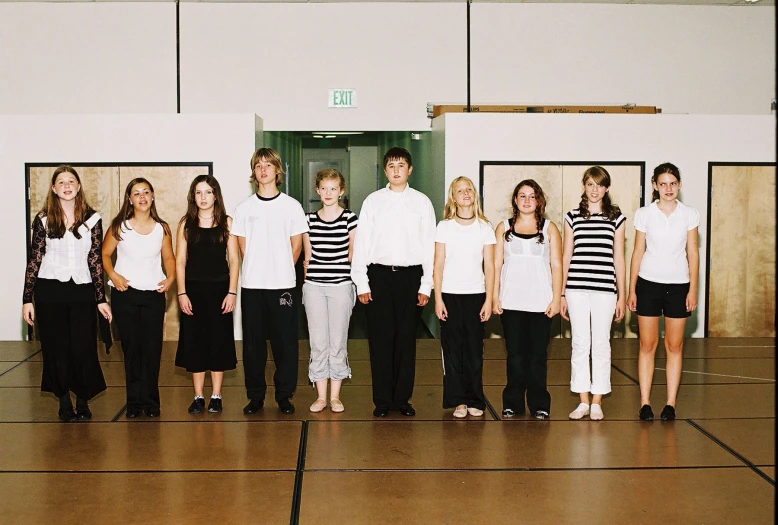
[665,258]
[267,225]
[463,271]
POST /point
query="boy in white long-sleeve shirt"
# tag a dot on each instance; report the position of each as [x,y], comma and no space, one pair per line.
[392,265]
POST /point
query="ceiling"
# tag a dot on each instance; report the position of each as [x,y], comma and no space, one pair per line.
[744,3]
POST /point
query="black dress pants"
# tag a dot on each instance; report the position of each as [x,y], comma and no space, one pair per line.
[462,341]
[269,314]
[68,333]
[140,316]
[527,335]
[392,317]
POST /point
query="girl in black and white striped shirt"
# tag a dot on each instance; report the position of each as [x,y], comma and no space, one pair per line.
[328,293]
[594,278]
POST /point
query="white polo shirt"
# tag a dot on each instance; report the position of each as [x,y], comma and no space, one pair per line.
[665,258]
[267,225]
[463,270]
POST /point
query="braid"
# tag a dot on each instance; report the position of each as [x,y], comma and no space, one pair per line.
[583,207]
[511,223]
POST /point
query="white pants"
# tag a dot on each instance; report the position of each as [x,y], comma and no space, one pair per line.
[328,309]
[591,315]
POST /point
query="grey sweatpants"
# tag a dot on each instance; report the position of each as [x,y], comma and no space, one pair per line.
[328,309]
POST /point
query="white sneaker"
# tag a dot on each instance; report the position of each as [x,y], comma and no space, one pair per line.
[581,411]
[460,412]
[475,412]
[596,413]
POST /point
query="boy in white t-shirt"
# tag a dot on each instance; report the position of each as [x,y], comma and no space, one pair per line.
[269,226]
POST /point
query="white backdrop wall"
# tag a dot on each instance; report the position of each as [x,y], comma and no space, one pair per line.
[225,140]
[688,141]
[87,58]
[278,60]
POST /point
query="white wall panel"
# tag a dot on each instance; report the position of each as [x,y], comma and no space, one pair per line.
[87,58]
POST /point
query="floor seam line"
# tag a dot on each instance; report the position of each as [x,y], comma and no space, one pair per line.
[294,519]
[732,451]
[20,363]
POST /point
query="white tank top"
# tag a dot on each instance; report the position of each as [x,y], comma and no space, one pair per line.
[139,257]
[525,281]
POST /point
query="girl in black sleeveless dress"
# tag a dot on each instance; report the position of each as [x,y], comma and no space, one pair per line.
[207,267]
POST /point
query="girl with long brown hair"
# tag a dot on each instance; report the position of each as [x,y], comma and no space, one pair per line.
[207,267]
[65,278]
[463,277]
[594,288]
[143,245]
[663,281]
[527,294]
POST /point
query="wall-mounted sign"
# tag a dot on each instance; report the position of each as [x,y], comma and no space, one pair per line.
[342,98]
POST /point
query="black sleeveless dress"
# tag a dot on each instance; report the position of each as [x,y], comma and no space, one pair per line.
[206,340]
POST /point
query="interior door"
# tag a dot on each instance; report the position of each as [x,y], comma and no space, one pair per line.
[741,251]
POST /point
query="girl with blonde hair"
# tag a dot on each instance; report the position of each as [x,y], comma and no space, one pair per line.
[463,276]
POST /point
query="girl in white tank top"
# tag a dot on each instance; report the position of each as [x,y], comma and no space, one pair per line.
[527,294]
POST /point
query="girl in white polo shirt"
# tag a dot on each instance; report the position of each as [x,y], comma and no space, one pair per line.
[528,294]
[65,277]
[143,245]
[663,280]
[463,276]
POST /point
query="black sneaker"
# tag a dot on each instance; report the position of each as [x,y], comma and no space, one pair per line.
[668,413]
[67,415]
[197,406]
[253,407]
[507,412]
[541,414]
[83,413]
[215,404]
[646,414]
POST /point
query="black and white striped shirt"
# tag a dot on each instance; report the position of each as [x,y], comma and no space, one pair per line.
[591,267]
[329,264]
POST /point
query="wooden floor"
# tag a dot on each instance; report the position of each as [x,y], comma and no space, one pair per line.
[715,464]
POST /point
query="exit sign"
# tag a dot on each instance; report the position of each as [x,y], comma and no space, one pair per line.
[342,98]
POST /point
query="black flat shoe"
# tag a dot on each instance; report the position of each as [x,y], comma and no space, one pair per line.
[152,412]
[132,412]
[83,414]
[67,415]
[646,414]
[380,412]
[197,406]
[286,406]
[253,407]
[408,410]
[668,413]
[215,405]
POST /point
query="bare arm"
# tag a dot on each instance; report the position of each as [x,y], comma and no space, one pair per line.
[567,256]
[308,253]
[183,300]
[693,256]
[168,264]
[499,254]
[555,242]
[634,268]
[297,246]
[437,280]
[233,260]
[621,272]
[241,246]
[488,253]
[351,236]
[109,246]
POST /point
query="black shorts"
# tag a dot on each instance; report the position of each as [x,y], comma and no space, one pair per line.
[656,299]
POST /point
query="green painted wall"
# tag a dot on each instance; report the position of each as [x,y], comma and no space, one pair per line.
[289,147]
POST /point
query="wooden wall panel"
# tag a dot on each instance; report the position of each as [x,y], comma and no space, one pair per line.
[742,252]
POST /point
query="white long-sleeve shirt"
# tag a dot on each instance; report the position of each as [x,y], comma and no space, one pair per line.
[395,229]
